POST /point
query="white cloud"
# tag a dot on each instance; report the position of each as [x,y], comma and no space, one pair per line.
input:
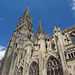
[72,4]
[2,51]
[2,48]
[2,54]
[1,19]
[73,8]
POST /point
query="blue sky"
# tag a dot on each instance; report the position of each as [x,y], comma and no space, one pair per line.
[51,12]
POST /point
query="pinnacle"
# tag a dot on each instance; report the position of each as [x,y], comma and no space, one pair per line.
[59,29]
[55,29]
[40,25]
[27,12]
[40,29]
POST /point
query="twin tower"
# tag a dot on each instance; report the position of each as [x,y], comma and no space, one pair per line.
[42,54]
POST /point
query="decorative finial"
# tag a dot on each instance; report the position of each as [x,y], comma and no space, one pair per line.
[55,29]
[59,29]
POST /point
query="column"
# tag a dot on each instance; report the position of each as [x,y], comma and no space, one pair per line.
[45,66]
[54,72]
[42,51]
[24,67]
[61,49]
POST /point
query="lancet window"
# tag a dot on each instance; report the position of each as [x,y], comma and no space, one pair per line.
[34,69]
[54,67]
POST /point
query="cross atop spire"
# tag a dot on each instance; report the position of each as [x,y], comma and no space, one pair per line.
[40,29]
[27,12]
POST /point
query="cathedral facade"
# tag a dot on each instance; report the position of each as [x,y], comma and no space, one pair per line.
[42,54]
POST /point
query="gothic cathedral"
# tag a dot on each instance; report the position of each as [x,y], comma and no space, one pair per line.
[41,54]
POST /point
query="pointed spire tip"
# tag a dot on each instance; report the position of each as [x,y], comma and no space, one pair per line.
[40,22]
[40,29]
[27,11]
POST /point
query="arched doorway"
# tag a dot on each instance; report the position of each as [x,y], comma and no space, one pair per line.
[54,67]
[34,69]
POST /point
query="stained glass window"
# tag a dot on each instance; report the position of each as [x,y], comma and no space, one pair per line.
[34,69]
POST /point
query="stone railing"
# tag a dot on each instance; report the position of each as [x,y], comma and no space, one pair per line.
[69,46]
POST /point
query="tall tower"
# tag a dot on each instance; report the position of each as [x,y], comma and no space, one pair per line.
[39,55]
[18,41]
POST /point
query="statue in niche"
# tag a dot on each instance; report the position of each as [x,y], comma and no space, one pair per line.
[53,45]
[67,35]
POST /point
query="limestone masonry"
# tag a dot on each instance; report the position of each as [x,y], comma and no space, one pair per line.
[39,55]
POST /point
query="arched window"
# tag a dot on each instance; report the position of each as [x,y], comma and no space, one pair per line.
[34,69]
[54,67]
[72,55]
[69,55]
[56,71]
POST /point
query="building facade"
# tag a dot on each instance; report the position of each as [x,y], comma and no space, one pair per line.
[42,54]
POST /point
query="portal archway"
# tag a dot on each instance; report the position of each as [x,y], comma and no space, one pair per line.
[54,67]
[34,69]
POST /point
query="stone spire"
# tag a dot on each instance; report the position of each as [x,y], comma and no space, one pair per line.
[59,29]
[27,12]
[55,29]
[26,16]
[40,29]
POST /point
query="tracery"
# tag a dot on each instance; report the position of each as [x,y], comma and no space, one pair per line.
[54,67]
[34,69]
